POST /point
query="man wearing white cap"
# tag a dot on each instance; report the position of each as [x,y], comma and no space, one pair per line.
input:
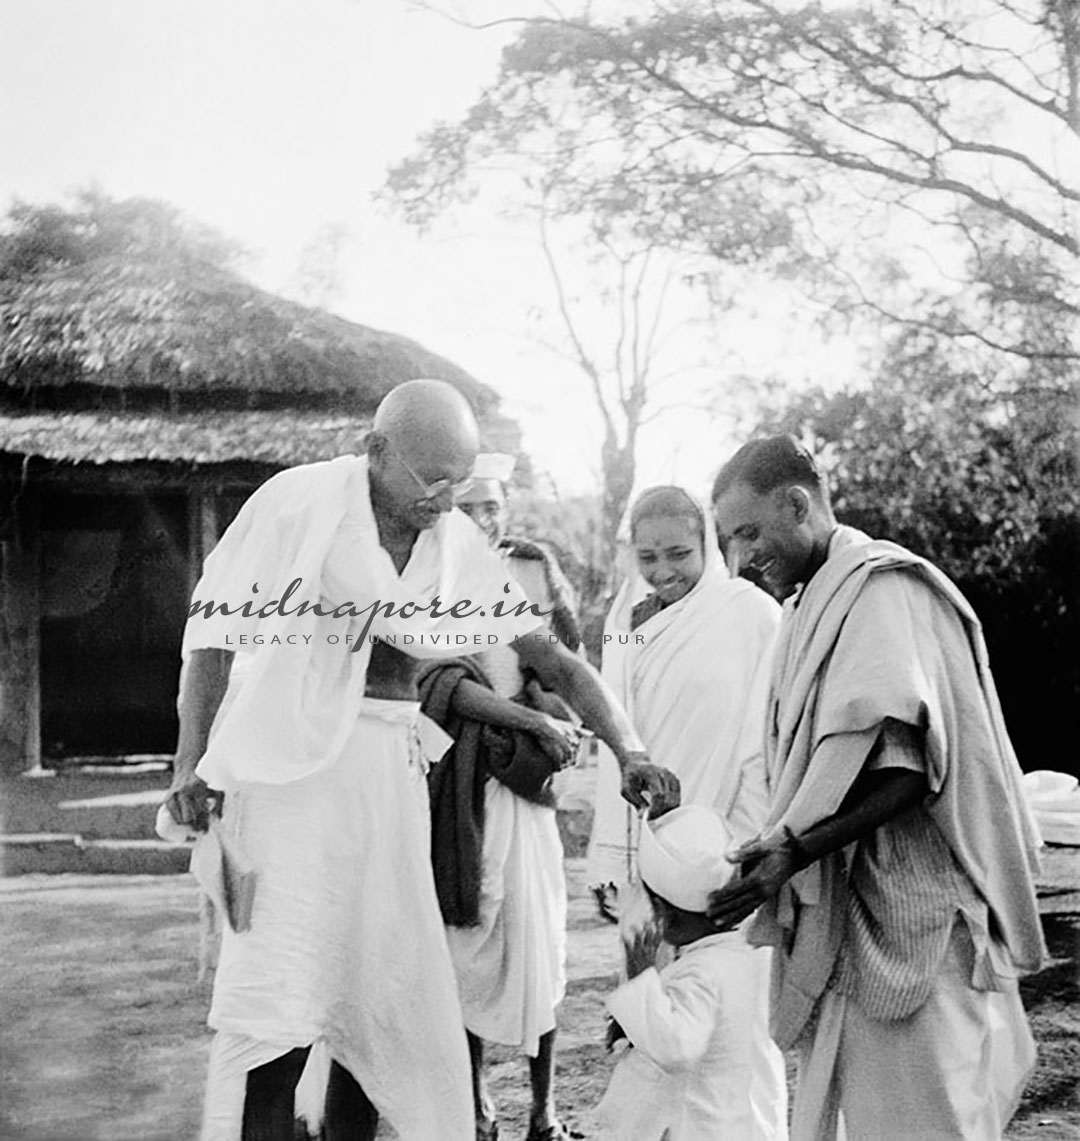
[498,859]
[698,1069]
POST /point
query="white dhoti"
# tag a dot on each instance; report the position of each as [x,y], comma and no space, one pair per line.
[346,946]
[955,1069]
[511,966]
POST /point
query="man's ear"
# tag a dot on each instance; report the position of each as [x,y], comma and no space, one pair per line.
[374,444]
[799,499]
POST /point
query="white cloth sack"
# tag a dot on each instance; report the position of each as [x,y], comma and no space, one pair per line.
[1054,800]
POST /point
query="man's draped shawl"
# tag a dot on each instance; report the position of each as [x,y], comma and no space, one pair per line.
[292,705]
[833,675]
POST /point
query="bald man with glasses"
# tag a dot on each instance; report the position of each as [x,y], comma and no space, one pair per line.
[304,752]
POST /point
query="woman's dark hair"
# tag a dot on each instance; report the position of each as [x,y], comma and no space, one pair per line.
[662,502]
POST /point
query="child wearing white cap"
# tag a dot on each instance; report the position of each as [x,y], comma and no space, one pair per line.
[695,1070]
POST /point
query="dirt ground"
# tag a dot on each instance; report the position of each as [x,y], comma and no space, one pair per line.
[103,1038]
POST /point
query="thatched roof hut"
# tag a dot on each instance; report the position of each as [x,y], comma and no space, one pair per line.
[144,392]
[115,348]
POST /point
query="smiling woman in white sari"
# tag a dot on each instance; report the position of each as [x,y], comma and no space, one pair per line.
[688,649]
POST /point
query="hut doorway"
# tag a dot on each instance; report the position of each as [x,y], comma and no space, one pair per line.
[114,585]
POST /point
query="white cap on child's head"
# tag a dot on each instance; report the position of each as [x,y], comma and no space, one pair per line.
[681,856]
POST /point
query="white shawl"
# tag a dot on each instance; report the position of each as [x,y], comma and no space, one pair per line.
[291,704]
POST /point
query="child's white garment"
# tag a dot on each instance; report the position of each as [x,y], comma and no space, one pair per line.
[702,1065]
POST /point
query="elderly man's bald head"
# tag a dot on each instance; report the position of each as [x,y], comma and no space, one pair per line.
[427,413]
[422,446]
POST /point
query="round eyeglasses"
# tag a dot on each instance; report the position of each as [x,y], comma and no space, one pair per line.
[436,488]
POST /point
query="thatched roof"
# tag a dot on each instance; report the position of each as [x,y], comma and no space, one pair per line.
[184,324]
[200,438]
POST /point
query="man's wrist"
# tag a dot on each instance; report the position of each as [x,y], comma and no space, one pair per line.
[184,770]
[528,719]
[631,756]
[793,845]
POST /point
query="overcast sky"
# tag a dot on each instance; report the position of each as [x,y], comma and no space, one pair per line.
[273,120]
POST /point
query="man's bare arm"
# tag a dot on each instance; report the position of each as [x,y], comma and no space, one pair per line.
[206,678]
[477,702]
[582,688]
[876,797]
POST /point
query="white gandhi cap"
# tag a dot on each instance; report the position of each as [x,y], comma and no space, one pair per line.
[494,465]
[681,856]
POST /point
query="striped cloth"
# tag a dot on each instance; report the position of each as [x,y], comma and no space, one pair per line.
[905,891]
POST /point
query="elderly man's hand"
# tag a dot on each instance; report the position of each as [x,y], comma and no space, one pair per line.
[767,866]
[644,783]
[190,802]
[558,739]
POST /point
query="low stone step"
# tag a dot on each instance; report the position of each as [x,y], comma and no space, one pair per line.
[52,853]
[121,816]
[102,820]
[95,804]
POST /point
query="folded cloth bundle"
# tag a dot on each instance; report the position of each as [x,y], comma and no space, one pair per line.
[1054,800]
[219,865]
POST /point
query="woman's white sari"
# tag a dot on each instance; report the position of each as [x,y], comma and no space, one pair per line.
[696,686]
[694,679]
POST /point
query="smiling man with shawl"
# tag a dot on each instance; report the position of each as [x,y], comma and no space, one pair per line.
[320,754]
[693,677]
[895,872]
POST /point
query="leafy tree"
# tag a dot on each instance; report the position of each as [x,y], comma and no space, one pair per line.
[624,314]
[913,166]
[865,148]
[36,237]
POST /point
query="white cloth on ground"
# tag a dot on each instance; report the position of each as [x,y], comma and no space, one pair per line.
[697,1068]
[1054,801]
